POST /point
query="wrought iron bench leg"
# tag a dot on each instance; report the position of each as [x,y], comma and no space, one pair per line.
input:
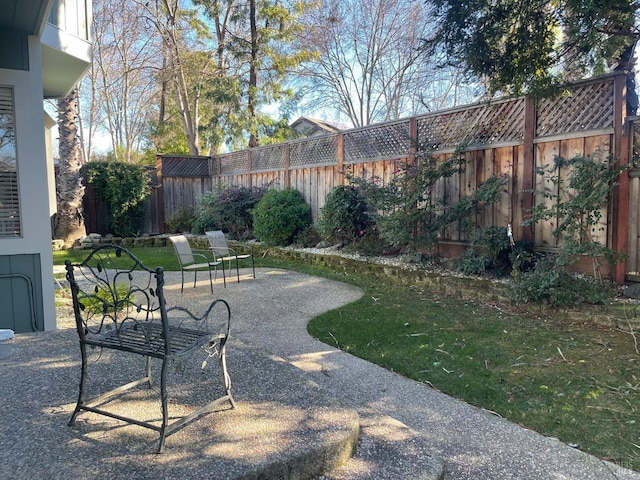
[148,372]
[226,379]
[83,381]
[83,404]
[163,399]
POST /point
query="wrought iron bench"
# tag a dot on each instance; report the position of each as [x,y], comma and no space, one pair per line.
[119,304]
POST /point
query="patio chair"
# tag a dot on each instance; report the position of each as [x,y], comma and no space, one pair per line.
[119,305]
[222,252]
[187,259]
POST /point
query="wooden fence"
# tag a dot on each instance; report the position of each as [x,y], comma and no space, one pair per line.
[509,137]
[633,251]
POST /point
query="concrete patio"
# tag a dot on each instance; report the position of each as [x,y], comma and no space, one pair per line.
[303,408]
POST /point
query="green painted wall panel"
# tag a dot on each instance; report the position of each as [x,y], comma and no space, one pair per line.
[14,51]
[21,307]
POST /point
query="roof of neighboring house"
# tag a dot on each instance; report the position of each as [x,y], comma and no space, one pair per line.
[310,127]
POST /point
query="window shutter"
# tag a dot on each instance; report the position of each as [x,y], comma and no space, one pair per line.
[9,197]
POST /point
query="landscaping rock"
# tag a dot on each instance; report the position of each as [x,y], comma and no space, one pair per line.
[324,244]
[632,291]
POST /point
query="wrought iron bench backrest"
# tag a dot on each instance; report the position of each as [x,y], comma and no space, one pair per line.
[119,304]
[114,292]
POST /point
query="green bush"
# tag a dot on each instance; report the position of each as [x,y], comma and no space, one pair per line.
[370,243]
[345,215]
[103,300]
[549,282]
[409,214]
[227,209]
[473,262]
[181,221]
[489,251]
[307,238]
[279,216]
[581,188]
[124,187]
[205,213]
[522,258]
[576,202]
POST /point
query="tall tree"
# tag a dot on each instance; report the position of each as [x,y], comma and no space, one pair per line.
[370,66]
[252,90]
[126,66]
[188,59]
[520,45]
[256,38]
[69,224]
[224,95]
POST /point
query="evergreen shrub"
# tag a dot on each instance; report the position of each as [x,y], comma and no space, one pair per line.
[228,209]
[279,216]
[181,221]
[124,187]
[345,215]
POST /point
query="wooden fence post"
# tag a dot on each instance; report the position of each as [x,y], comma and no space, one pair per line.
[619,207]
[287,179]
[160,196]
[340,160]
[528,167]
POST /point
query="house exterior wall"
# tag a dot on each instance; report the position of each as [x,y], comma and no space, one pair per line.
[49,123]
[32,177]
[54,65]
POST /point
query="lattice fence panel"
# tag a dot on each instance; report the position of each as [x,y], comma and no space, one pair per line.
[496,123]
[185,166]
[270,157]
[234,163]
[585,107]
[320,150]
[384,142]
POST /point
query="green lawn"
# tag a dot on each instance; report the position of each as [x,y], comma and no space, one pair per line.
[151,257]
[577,382]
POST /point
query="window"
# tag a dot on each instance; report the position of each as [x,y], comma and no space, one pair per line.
[70,16]
[9,198]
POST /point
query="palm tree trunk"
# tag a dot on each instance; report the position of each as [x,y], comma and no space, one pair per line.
[70,190]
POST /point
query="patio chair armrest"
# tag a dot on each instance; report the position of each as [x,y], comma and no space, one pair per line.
[233,248]
[206,257]
[221,252]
